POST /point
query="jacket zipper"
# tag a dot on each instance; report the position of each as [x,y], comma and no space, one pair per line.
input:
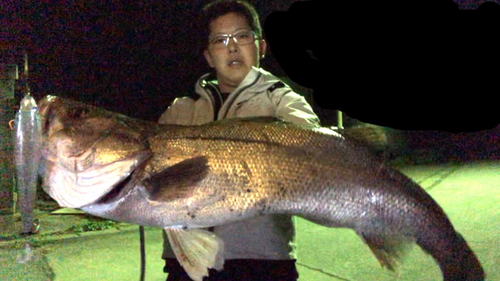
[238,93]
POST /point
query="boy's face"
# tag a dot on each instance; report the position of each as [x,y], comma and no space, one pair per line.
[232,62]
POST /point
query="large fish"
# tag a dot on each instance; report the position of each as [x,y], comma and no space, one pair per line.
[185,178]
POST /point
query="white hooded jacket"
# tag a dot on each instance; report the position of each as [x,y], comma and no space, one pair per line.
[260,94]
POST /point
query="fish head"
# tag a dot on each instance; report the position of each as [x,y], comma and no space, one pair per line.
[87,151]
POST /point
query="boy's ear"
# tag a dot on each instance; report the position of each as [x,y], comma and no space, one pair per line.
[262,48]
[208,58]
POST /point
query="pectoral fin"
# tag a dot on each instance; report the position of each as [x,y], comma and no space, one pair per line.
[179,180]
[196,250]
[181,183]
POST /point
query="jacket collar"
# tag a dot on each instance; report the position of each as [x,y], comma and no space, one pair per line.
[212,79]
[207,84]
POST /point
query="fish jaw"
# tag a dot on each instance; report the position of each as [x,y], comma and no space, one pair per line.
[76,189]
[80,170]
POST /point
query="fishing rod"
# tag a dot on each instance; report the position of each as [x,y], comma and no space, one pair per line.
[143,253]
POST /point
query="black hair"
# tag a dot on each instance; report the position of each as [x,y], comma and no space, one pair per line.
[220,8]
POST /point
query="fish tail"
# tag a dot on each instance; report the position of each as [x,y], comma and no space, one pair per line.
[455,258]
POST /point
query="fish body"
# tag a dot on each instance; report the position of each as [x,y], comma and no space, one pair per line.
[27,153]
[183,178]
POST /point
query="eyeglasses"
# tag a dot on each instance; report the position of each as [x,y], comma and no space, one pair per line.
[220,41]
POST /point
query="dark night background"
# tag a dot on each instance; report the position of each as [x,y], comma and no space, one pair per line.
[128,56]
[135,57]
